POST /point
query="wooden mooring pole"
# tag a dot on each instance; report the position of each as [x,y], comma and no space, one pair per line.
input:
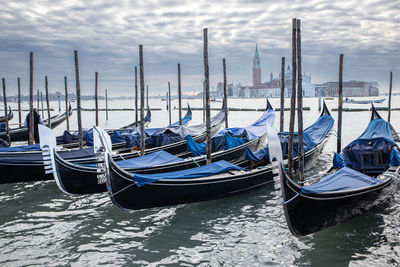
[19,102]
[204,101]
[142,143]
[300,106]
[46,84]
[59,103]
[31,139]
[225,94]
[207,85]
[136,98]
[169,103]
[38,101]
[96,96]
[147,97]
[106,105]
[78,100]
[179,94]
[340,106]
[6,111]
[66,101]
[390,96]
[42,106]
[282,111]
[292,100]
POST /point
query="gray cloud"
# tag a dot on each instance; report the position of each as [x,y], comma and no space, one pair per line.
[107,35]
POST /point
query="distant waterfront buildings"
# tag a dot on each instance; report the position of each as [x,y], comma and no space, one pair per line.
[272,88]
[350,89]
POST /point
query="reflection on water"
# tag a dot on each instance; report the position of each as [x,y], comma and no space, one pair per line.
[41,226]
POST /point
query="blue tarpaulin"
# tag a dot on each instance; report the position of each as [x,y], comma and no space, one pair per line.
[185,120]
[233,137]
[377,137]
[150,160]
[68,137]
[202,171]
[225,142]
[35,147]
[394,158]
[338,161]
[343,179]
[313,135]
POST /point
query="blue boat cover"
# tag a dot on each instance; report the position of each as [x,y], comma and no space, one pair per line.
[338,161]
[341,180]
[376,129]
[233,137]
[150,160]
[394,158]
[225,142]
[3,126]
[163,136]
[35,147]
[313,135]
[376,137]
[68,137]
[185,120]
[202,171]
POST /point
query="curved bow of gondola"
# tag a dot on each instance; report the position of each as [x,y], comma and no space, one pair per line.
[374,113]
[148,115]
[189,111]
[10,115]
[269,106]
[325,110]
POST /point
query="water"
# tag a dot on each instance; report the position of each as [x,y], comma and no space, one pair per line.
[41,226]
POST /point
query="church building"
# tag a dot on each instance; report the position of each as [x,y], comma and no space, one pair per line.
[272,88]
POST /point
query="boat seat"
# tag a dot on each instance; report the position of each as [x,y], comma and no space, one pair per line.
[375,161]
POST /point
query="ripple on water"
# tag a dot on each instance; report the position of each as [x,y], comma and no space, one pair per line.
[41,226]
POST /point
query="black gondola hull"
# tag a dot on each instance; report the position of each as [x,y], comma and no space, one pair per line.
[166,193]
[29,167]
[308,214]
[76,179]
[21,133]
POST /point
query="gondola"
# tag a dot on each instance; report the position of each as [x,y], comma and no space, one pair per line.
[353,101]
[118,137]
[25,163]
[21,133]
[10,115]
[349,188]
[69,140]
[216,180]
[80,179]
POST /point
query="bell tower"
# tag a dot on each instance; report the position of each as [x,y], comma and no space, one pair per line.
[256,68]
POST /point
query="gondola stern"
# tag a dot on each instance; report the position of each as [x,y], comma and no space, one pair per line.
[269,106]
[325,110]
[48,144]
[189,111]
[374,113]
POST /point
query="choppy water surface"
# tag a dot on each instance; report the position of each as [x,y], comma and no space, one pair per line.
[41,226]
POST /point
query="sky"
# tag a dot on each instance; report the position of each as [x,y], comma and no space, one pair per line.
[107,35]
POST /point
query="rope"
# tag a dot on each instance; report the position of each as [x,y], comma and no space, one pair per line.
[287,169]
[287,201]
[195,162]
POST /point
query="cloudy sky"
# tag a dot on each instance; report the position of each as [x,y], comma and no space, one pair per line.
[107,35]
